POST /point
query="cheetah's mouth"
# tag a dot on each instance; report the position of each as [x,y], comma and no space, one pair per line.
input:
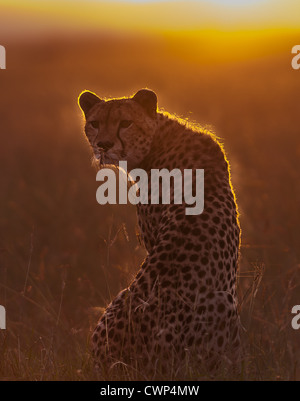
[105,158]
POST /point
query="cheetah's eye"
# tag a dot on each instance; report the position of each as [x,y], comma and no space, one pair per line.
[125,123]
[94,124]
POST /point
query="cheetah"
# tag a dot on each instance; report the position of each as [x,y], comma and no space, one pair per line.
[181,309]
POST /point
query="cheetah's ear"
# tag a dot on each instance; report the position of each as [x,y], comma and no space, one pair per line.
[148,100]
[87,100]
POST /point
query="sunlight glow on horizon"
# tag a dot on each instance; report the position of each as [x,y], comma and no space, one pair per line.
[150,16]
[222,2]
[231,3]
[238,2]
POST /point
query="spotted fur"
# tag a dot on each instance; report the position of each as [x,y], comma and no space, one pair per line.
[182,304]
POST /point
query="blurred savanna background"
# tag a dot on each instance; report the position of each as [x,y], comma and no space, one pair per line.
[224,64]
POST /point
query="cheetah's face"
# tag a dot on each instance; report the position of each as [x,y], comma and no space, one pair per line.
[120,129]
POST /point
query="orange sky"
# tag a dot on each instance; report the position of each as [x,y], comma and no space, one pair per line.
[25,17]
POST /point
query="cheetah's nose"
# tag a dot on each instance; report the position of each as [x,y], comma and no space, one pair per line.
[105,145]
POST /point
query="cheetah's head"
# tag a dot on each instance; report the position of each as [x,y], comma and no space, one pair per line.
[120,129]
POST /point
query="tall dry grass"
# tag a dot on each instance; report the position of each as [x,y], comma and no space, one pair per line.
[63,257]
